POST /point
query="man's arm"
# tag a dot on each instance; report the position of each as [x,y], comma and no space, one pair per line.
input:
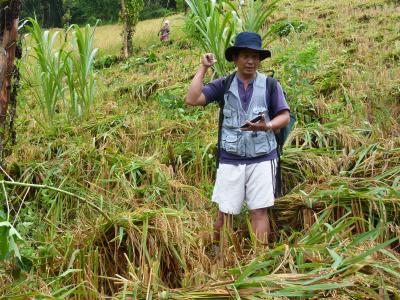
[195,97]
[279,121]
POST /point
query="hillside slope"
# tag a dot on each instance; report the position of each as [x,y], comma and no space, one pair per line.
[132,216]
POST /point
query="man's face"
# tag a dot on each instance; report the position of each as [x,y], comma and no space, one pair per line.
[247,61]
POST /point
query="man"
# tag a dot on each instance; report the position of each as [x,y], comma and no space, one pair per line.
[247,156]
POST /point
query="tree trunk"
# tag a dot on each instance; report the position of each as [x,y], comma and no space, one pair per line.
[127,32]
[8,46]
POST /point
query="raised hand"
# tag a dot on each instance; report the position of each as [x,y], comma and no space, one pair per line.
[208,60]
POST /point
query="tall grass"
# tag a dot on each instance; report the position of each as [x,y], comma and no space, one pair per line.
[60,66]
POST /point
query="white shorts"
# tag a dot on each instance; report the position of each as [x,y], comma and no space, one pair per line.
[253,184]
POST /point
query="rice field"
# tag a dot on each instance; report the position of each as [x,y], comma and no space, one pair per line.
[118,204]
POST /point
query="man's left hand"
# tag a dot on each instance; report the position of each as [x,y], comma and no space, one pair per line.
[258,126]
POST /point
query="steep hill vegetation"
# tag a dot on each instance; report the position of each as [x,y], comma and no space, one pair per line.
[117,204]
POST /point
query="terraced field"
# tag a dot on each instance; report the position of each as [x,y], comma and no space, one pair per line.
[117,205]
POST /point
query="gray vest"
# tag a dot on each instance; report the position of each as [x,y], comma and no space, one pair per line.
[246,143]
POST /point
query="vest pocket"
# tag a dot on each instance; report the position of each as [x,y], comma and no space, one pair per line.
[230,118]
[261,144]
[231,143]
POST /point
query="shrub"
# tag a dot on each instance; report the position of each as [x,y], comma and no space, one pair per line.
[106,61]
[285,27]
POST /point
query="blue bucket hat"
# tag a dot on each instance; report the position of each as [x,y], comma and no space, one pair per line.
[247,40]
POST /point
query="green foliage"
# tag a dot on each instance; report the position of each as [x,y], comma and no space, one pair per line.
[180,5]
[131,12]
[84,11]
[9,236]
[155,13]
[323,240]
[285,27]
[296,64]
[217,23]
[79,72]
[49,13]
[174,107]
[59,68]
[106,61]
[8,241]
[147,162]
[216,29]
[58,13]
[254,14]
[138,61]
[50,69]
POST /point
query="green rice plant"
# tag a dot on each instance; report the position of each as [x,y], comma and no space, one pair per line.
[48,88]
[323,257]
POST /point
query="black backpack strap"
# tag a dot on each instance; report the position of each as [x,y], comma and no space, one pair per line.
[271,83]
[221,102]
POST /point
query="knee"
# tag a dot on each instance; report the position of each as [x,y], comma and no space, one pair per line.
[258,214]
[221,219]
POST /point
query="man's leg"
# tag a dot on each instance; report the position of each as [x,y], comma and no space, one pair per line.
[260,195]
[260,224]
[228,193]
[221,220]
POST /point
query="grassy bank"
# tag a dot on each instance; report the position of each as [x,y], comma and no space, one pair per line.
[133,218]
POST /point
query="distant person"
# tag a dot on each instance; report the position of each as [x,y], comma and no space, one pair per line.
[164,32]
[247,156]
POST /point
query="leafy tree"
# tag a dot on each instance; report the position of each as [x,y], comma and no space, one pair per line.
[48,12]
[59,13]
[130,10]
[56,13]
[88,11]
[171,4]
